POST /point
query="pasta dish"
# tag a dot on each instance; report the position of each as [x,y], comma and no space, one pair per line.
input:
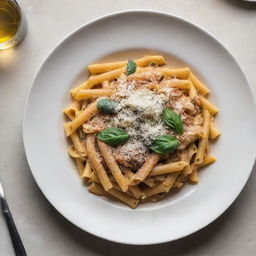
[139,129]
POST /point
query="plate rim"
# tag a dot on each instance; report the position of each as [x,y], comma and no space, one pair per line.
[77,30]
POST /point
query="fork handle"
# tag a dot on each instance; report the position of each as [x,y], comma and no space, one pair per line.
[16,240]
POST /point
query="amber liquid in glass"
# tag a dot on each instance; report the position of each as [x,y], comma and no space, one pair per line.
[10,19]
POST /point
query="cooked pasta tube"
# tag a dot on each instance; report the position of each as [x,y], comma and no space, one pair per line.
[203,90]
[84,116]
[80,165]
[208,105]
[111,75]
[157,197]
[95,161]
[136,191]
[150,181]
[87,172]
[178,73]
[72,110]
[194,175]
[94,178]
[98,79]
[191,151]
[105,67]
[112,165]
[123,197]
[214,132]
[117,187]
[96,189]
[92,93]
[82,86]
[79,145]
[192,91]
[73,152]
[181,84]
[146,168]
[170,179]
[178,184]
[208,160]
[164,186]
[203,141]
[167,168]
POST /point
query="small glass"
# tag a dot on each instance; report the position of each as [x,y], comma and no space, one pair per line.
[12,24]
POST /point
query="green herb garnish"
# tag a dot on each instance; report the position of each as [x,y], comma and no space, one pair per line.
[131,67]
[107,106]
[164,144]
[173,120]
[113,136]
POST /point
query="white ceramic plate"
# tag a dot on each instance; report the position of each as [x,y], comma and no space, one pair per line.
[194,206]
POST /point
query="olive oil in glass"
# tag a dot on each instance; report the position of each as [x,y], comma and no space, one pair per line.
[12,24]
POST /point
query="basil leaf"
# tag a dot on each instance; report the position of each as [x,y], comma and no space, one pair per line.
[107,106]
[131,67]
[113,136]
[164,144]
[173,120]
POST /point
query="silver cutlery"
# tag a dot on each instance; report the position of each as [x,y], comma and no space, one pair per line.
[16,240]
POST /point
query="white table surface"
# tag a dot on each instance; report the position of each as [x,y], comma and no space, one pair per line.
[44,231]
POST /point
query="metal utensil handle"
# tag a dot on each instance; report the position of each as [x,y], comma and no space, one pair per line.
[16,240]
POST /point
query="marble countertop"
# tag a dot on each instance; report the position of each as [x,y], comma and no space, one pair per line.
[43,229]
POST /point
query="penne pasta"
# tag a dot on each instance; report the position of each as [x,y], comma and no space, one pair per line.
[192,91]
[203,90]
[96,189]
[82,86]
[181,84]
[169,181]
[167,168]
[87,172]
[194,175]
[203,141]
[136,191]
[146,168]
[78,144]
[182,73]
[163,187]
[105,67]
[192,149]
[72,110]
[80,165]
[84,116]
[209,106]
[94,158]
[92,93]
[112,165]
[73,152]
[111,75]
[150,181]
[123,197]
[178,184]
[94,178]
[214,132]
[208,160]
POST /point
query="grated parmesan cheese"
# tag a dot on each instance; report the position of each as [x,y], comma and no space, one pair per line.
[139,112]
